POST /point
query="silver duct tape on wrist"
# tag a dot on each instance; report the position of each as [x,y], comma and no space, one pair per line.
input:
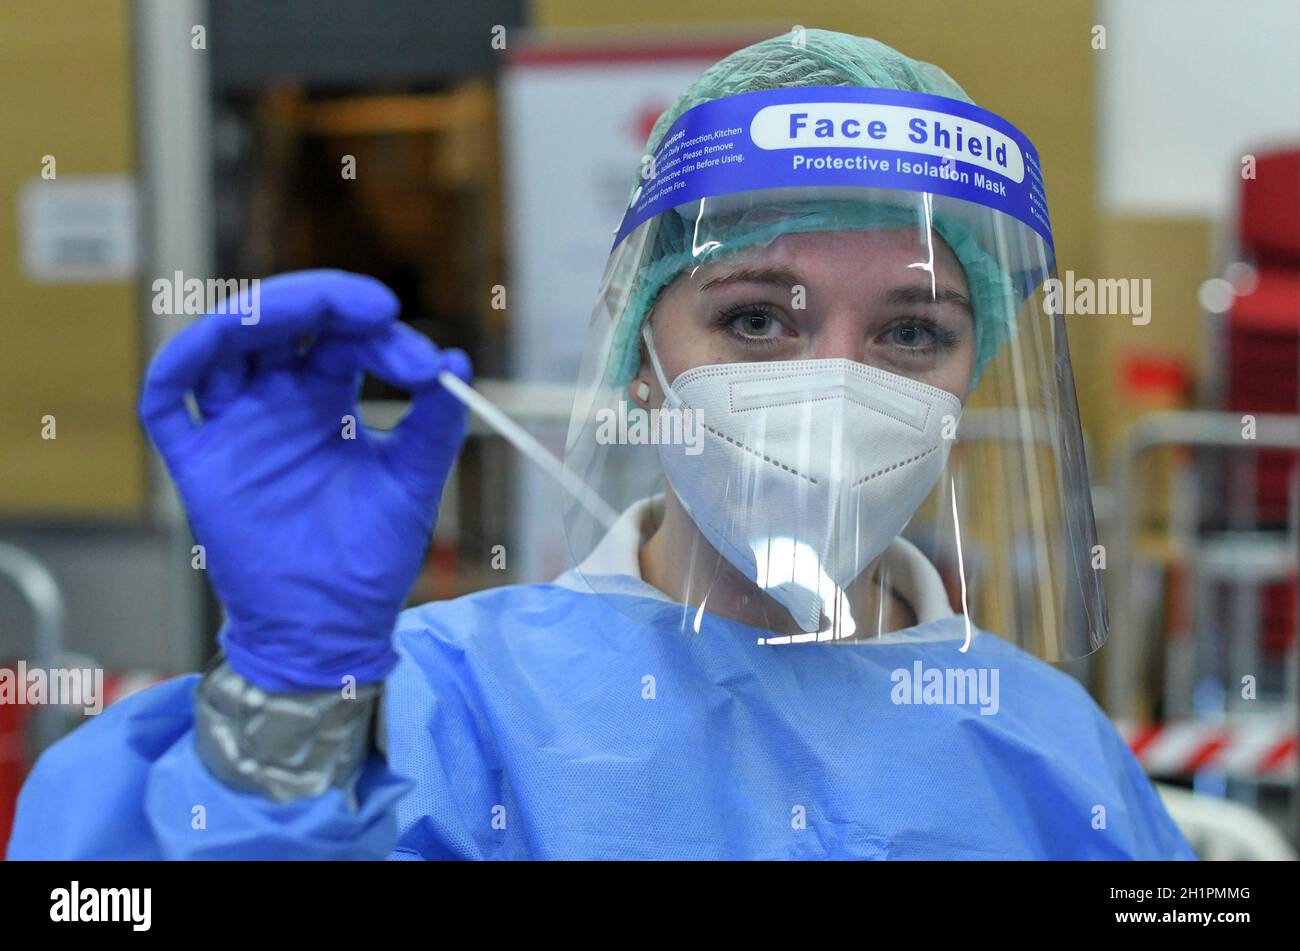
[285,746]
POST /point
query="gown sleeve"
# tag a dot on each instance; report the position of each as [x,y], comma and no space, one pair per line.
[129,784]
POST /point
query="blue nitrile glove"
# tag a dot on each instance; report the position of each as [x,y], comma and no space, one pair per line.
[312,540]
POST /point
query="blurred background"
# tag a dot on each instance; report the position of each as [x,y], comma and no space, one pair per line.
[493,144]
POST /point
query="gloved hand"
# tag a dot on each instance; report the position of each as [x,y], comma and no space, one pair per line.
[312,539]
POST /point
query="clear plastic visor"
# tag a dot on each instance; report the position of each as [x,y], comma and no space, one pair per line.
[836,417]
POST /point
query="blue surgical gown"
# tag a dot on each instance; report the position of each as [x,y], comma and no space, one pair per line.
[542,722]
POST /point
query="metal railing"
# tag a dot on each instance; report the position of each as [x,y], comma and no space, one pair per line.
[37,587]
[1130,641]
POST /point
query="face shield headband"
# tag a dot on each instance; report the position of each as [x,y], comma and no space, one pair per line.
[811,150]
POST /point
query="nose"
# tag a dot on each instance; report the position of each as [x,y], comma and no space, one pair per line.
[839,337]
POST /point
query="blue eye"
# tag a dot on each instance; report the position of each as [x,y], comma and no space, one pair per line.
[914,335]
[751,323]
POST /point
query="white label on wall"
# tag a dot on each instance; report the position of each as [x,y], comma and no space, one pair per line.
[78,229]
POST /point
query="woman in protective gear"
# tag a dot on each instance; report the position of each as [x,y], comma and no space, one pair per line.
[825,440]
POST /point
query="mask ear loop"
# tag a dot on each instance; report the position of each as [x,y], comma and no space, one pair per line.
[689,618]
[669,396]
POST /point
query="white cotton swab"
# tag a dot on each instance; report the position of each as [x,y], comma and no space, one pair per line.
[522,440]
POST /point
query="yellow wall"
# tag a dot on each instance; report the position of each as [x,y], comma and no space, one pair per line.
[67,350]
[1175,254]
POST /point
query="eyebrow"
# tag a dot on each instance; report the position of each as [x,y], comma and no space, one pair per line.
[779,276]
[784,277]
[917,294]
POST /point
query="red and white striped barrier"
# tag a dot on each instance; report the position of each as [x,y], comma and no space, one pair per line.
[1265,748]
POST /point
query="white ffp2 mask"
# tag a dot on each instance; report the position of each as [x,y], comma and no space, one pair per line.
[810,468]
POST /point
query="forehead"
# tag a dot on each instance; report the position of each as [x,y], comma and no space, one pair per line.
[892,256]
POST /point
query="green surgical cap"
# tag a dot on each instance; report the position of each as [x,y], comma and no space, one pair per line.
[819,58]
